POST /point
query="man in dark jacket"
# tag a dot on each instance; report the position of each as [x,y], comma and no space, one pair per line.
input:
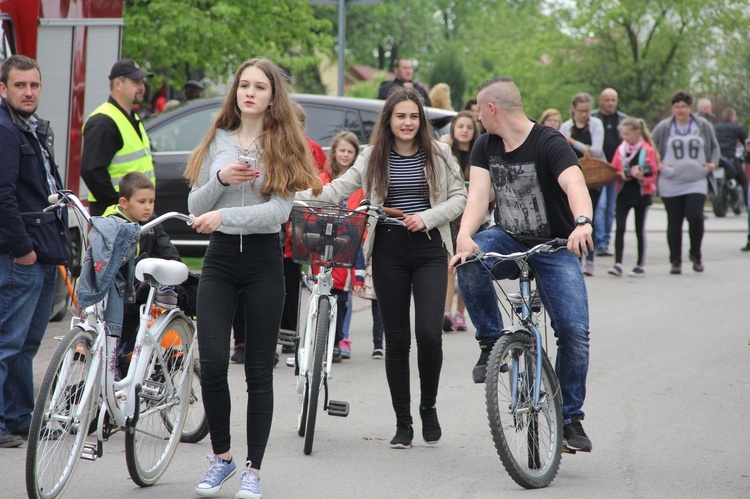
[404,77]
[32,243]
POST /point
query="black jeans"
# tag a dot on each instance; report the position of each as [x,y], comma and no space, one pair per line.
[679,208]
[621,217]
[258,274]
[403,263]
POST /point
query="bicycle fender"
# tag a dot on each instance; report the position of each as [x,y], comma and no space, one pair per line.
[515,329]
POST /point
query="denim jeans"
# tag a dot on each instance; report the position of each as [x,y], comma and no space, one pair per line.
[563,292]
[604,216]
[26,295]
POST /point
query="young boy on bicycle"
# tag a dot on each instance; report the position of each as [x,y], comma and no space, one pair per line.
[136,204]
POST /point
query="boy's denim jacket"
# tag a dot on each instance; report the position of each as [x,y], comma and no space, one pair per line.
[108,267]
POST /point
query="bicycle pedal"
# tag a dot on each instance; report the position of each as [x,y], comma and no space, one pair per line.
[568,450]
[338,408]
[91,451]
[153,391]
[287,337]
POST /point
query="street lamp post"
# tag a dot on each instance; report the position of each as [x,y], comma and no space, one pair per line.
[342,29]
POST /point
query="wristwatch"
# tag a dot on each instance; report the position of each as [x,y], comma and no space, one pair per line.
[583,220]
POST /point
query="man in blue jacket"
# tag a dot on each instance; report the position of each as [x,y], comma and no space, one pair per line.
[32,243]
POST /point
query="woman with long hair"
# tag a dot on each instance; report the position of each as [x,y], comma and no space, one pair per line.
[585,134]
[463,133]
[407,170]
[243,178]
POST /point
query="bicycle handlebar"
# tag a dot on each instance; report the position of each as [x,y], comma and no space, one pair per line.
[381,213]
[65,196]
[552,246]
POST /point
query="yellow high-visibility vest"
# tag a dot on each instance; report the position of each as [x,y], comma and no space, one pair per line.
[135,154]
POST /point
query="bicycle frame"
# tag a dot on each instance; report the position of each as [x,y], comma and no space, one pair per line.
[322,285]
[121,398]
[526,316]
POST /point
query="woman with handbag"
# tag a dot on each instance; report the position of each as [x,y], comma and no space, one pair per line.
[585,134]
[690,152]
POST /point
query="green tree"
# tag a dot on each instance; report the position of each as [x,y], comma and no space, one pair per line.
[450,69]
[176,37]
[646,50]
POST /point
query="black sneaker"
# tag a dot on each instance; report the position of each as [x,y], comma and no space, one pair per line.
[238,357]
[746,247]
[431,431]
[287,348]
[403,438]
[697,264]
[8,440]
[479,373]
[575,438]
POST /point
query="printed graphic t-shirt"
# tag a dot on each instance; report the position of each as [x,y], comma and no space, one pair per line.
[531,205]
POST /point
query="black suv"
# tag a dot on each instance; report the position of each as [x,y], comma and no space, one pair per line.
[174,134]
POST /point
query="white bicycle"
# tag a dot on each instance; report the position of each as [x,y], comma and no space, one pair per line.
[326,236]
[150,404]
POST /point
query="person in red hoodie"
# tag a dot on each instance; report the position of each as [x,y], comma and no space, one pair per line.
[344,151]
[637,163]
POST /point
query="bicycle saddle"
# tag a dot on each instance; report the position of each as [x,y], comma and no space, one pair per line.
[164,272]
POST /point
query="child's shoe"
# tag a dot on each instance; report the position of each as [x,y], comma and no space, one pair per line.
[459,322]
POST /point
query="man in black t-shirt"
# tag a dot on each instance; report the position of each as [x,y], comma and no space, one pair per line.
[541,194]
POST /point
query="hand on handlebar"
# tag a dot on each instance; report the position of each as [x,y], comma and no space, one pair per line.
[580,242]
[465,247]
[208,222]
[413,223]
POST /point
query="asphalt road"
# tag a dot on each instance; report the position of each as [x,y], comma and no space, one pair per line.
[667,401]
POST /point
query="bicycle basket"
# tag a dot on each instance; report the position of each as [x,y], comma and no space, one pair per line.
[329,236]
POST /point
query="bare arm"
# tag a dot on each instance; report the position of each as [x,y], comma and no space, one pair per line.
[572,182]
[476,207]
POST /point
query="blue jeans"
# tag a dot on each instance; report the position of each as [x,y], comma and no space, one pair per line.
[605,216]
[26,295]
[563,292]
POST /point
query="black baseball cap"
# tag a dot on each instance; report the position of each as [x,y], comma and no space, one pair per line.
[129,69]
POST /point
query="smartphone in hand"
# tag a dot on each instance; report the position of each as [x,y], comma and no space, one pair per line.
[250,161]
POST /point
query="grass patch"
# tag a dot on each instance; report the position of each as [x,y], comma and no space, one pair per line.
[193,264]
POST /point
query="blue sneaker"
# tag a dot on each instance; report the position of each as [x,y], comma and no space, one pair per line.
[215,477]
[249,485]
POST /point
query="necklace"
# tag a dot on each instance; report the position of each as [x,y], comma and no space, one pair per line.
[678,131]
[245,151]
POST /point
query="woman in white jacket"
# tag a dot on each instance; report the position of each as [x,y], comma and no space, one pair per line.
[406,169]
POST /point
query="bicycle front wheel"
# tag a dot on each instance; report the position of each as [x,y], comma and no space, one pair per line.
[316,370]
[57,433]
[527,439]
[164,402]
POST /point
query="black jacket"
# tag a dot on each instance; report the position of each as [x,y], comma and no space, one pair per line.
[388,86]
[24,192]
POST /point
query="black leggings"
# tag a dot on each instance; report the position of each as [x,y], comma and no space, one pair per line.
[621,217]
[679,208]
[257,272]
[403,263]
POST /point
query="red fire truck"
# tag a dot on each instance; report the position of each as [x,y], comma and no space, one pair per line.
[75,43]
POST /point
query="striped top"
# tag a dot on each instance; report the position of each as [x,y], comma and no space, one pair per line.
[408,190]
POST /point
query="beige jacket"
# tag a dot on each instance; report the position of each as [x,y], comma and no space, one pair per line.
[446,205]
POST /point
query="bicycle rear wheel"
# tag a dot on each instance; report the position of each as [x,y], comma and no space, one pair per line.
[164,402]
[56,435]
[528,440]
[316,370]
